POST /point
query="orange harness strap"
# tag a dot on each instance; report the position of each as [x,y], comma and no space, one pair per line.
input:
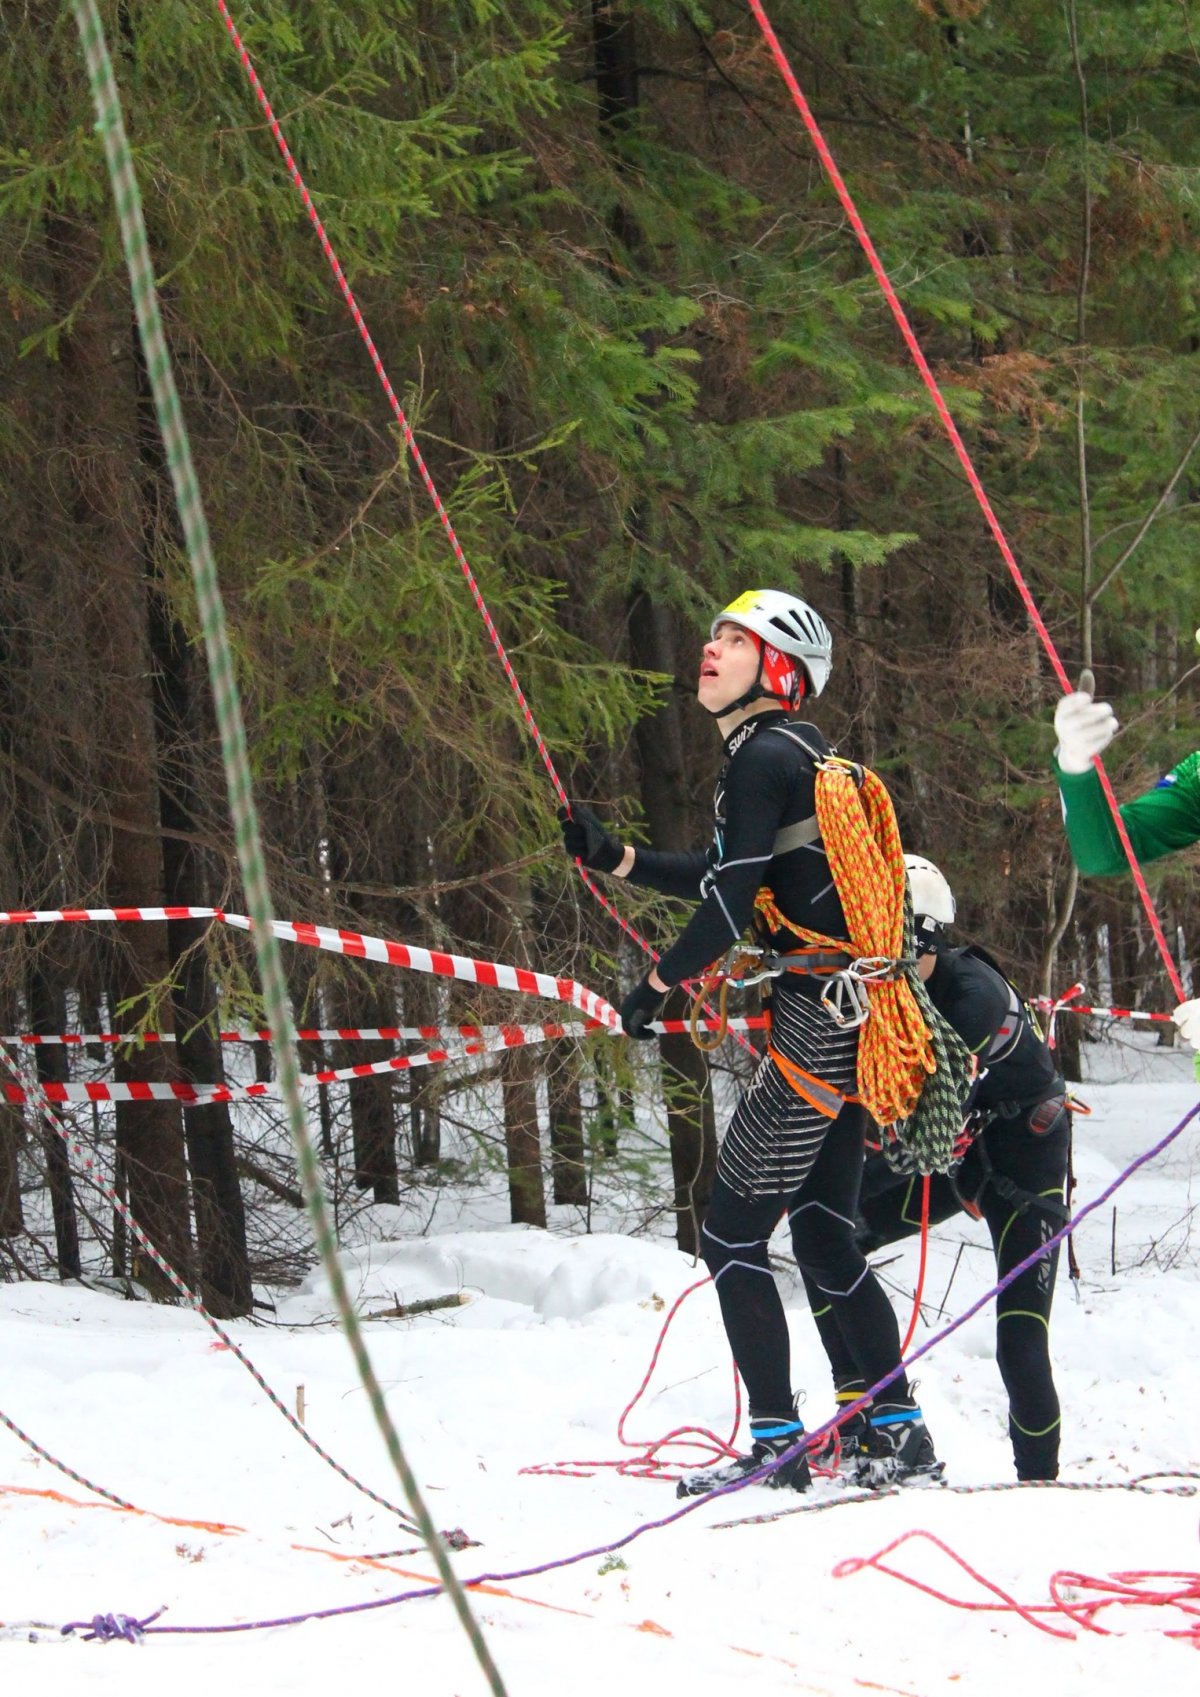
[826,1098]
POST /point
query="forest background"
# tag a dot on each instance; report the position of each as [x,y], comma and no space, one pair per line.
[648,368]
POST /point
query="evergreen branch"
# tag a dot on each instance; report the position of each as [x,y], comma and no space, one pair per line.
[384,481]
[96,816]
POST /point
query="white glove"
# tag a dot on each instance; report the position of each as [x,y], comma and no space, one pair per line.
[1187,1018]
[1084,727]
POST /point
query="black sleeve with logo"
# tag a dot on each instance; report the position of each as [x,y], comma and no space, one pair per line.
[767,784]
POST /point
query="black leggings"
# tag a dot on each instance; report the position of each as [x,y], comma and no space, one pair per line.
[890,1209]
[822,1218]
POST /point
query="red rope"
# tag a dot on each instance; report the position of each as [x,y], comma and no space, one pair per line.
[410,441]
[646,1464]
[920,1290]
[829,164]
[1007,1604]
[413,448]
[1064,1586]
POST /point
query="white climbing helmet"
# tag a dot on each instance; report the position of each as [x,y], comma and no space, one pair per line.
[788,624]
[932,897]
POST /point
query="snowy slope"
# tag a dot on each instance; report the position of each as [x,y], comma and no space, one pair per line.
[536,1367]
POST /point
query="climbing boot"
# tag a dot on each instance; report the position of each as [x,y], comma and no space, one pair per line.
[773,1435]
[895,1448]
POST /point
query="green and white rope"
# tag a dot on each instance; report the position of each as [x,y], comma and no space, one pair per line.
[111,127]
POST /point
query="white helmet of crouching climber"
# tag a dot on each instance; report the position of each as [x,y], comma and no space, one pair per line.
[932,897]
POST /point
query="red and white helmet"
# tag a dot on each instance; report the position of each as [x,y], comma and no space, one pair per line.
[788,625]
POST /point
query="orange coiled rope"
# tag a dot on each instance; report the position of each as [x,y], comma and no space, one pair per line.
[858,828]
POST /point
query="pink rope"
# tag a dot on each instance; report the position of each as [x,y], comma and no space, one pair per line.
[410,441]
[418,458]
[830,167]
[647,1463]
[1065,1587]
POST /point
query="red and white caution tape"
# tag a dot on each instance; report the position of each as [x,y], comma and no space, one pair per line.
[371,1033]
[198,1095]
[492,974]
[1066,1003]
[1048,1006]
[193,1095]
[489,1040]
[317,1034]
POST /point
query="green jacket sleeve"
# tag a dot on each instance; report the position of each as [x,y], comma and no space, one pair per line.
[1166,818]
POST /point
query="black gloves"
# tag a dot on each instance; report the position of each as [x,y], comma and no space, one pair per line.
[640,1006]
[585,839]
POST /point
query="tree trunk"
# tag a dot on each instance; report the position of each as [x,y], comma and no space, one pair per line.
[522,1137]
[360,849]
[48,1016]
[224,1261]
[223,1258]
[568,1152]
[12,1136]
[99,433]
[372,1100]
[659,737]
[425,1089]
[12,1139]
[302,968]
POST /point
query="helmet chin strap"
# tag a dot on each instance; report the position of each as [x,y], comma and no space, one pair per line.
[756,692]
[928,935]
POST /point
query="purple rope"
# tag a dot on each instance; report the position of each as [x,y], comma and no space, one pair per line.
[1009,1278]
[107,1627]
[722,1490]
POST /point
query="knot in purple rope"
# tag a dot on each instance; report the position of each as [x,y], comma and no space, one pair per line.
[110,1626]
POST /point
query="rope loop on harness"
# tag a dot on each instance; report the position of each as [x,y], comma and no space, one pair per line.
[737,969]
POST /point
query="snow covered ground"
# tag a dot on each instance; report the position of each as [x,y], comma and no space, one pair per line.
[536,1367]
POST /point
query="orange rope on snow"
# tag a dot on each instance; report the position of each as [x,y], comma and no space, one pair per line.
[219,1528]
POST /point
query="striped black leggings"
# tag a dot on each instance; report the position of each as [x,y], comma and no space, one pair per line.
[821,1213]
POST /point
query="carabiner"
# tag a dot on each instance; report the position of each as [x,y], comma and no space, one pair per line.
[769,967]
[873,969]
[844,999]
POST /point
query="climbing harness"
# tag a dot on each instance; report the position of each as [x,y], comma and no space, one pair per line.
[844,997]
[909,1054]
[1019,1199]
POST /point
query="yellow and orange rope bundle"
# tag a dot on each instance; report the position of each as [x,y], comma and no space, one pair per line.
[862,840]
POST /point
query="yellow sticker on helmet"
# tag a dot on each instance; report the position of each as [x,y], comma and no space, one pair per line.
[745,603]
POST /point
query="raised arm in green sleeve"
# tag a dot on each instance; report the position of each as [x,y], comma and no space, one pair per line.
[1166,818]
